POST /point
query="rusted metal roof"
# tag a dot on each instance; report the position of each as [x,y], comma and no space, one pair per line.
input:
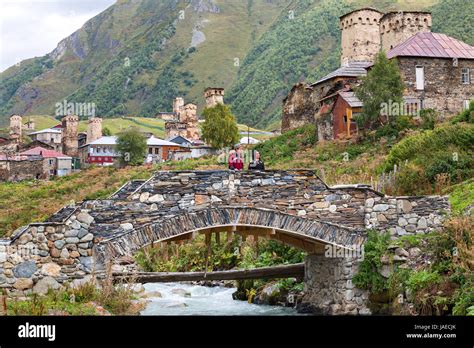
[433,45]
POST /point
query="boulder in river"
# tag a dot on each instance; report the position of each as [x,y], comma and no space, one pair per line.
[175,305]
[152,294]
[181,292]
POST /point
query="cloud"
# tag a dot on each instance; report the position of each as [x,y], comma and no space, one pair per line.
[33,28]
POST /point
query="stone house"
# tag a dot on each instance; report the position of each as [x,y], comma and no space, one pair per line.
[50,136]
[56,163]
[436,69]
[17,168]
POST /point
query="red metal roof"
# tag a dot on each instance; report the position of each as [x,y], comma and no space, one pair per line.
[433,45]
[43,152]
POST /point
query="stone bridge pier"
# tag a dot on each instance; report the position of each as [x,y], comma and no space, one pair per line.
[294,207]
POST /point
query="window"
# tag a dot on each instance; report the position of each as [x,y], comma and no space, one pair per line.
[465,104]
[150,151]
[420,78]
[51,162]
[465,78]
[157,151]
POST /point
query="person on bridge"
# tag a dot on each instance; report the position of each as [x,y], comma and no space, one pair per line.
[238,158]
[256,163]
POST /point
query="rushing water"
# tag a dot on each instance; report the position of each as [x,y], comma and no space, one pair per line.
[203,301]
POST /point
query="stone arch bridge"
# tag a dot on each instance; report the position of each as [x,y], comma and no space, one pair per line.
[295,207]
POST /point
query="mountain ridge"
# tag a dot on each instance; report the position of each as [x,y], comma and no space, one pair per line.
[253,48]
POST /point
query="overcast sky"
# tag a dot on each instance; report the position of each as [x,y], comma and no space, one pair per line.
[32,28]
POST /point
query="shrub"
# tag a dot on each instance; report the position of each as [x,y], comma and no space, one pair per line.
[368,276]
[466,115]
[422,279]
[428,117]
[428,142]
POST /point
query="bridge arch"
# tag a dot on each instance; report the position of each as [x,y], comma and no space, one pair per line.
[289,229]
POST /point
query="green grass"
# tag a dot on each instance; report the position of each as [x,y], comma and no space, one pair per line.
[461,196]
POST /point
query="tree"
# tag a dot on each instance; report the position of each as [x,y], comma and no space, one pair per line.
[383,85]
[106,132]
[220,128]
[132,147]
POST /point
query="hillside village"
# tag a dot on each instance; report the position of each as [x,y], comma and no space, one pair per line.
[62,150]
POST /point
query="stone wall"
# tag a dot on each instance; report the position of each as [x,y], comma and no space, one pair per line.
[28,169]
[328,287]
[55,252]
[443,88]
[405,215]
[298,108]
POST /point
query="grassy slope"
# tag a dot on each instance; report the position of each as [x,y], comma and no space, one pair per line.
[26,202]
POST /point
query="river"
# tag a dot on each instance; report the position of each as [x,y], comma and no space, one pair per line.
[201,300]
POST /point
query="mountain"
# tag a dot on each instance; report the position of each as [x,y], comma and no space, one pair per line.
[136,56]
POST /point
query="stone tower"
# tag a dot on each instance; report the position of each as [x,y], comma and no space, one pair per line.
[397,27]
[214,96]
[178,106]
[192,122]
[94,129]
[16,124]
[360,37]
[69,141]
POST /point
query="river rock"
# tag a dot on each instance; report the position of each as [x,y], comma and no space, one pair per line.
[181,292]
[72,240]
[414,252]
[137,288]
[59,244]
[401,252]
[51,269]
[152,294]
[23,284]
[175,305]
[25,269]
[85,218]
[71,233]
[87,238]
[43,285]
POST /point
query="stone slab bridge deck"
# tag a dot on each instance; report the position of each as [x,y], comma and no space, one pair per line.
[294,206]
